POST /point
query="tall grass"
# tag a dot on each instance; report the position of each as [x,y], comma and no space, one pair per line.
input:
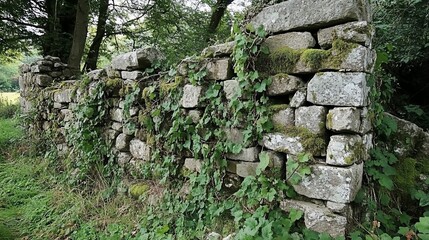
[9,105]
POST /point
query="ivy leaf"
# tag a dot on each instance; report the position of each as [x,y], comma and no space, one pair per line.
[423,225]
[295,214]
[386,182]
[264,162]
[267,232]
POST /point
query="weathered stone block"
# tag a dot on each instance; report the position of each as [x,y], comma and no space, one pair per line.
[63,95]
[344,119]
[55,74]
[220,69]
[139,59]
[67,115]
[219,50]
[232,89]
[132,75]
[311,118]
[195,115]
[336,184]
[247,155]
[318,218]
[193,164]
[116,114]
[338,207]
[282,143]
[283,84]
[284,118]
[244,169]
[294,14]
[122,142]
[124,158]
[191,96]
[117,126]
[366,124]
[338,89]
[294,40]
[234,135]
[357,32]
[43,80]
[112,73]
[40,69]
[140,150]
[97,74]
[344,150]
[299,98]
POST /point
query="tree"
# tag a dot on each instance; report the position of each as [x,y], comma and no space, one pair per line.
[79,35]
[217,13]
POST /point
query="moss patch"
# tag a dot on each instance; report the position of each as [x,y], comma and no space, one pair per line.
[311,142]
[166,87]
[285,59]
[138,189]
[278,107]
[406,174]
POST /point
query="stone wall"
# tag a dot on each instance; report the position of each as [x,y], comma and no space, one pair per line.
[320,60]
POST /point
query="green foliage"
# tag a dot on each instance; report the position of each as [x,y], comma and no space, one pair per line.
[7,109]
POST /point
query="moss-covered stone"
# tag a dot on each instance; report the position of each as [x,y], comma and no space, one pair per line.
[278,107]
[166,87]
[285,60]
[311,142]
[406,174]
[138,189]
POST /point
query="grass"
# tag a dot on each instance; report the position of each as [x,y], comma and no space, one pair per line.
[10,97]
[37,203]
[8,104]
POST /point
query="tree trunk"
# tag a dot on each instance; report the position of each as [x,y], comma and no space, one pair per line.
[94,50]
[217,14]
[79,35]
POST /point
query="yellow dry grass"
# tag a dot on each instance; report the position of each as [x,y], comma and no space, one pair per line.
[9,97]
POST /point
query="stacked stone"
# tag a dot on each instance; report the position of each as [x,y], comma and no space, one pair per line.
[320,60]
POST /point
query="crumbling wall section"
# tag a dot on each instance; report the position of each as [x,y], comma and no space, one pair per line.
[320,59]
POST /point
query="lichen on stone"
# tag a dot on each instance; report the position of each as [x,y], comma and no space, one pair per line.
[311,142]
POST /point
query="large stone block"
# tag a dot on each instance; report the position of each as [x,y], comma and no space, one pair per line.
[63,95]
[219,50]
[132,75]
[299,98]
[124,158]
[318,218]
[40,69]
[294,40]
[220,69]
[140,150]
[309,14]
[97,74]
[246,154]
[336,184]
[284,118]
[357,32]
[281,143]
[244,169]
[232,89]
[139,59]
[283,84]
[311,118]
[344,150]
[344,119]
[338,89]
[122,142]
[116,114]
[193,164]
[43,80]
[191,96]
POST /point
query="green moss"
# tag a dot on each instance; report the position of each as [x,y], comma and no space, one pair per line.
[167,87]
[329,122]
[315,57]
[278,107]
[311,142]
[112,83]
[138,189]
[406,174]
[339,52]
[281,60]
[358,153]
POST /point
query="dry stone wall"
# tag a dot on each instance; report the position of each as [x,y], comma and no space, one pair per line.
[319,60]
